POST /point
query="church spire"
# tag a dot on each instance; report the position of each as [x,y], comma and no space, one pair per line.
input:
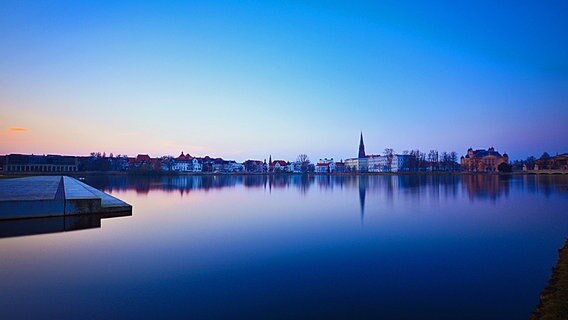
[361,147]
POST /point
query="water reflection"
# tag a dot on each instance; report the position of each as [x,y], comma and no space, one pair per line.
[231,247]
[414,188]
[477,187]
[36,226]
[363,185]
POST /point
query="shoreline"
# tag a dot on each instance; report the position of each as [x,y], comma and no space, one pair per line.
[402,173]
[553,301]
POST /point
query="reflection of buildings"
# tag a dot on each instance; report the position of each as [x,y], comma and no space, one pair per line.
[416,189]
[485,186]
[546,184]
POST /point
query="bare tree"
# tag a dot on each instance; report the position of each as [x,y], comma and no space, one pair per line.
[445,161]
[422,161]
[304,161]
[433,159]
[389,154]
[303,158]
[453,159]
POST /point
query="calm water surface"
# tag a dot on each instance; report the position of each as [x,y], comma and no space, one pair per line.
[393,247]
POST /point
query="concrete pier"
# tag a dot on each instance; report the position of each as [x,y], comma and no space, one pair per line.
[55,196]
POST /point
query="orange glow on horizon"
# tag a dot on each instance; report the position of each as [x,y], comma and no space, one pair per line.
[17,129]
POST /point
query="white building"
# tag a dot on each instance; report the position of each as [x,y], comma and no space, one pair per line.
[322,168]
[281,166]
[325,165]
[192,165]
[233,166]
[351,164]
[378,163]
[400,162]
[356,165]
[186,163]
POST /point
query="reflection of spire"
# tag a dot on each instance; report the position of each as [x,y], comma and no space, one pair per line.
[363,181]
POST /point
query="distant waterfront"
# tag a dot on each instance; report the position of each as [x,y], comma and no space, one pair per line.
[475,161]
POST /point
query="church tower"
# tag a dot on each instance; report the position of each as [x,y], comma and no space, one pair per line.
[361,147]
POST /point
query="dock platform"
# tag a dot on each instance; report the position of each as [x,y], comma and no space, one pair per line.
[55,196]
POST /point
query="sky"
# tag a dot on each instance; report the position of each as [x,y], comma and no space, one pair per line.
[248,79]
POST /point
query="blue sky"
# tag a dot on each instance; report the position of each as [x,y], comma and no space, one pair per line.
[245,79]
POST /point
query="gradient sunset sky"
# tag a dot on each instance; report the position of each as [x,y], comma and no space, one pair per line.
[245,79]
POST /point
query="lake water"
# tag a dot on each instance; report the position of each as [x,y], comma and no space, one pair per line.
[392,247]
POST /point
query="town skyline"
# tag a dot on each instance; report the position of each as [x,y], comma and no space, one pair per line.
[355,154]
[276,155]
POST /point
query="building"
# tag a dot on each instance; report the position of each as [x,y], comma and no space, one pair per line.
[378,163]
[356,165]
[325,166]
[185,163]
[143,162]
[482,160]
[322,167]
[254,166]
[351,164]
[219,165]
[546,162]
[44,163]
[233,166]
[400,162]
[297,167]
[359,164]
[362,163]
[361,147]
[339,167]
[279,166]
